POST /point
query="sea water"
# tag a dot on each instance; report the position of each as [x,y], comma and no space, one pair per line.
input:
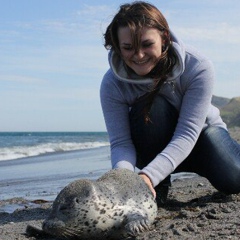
[14,145]
[37,165]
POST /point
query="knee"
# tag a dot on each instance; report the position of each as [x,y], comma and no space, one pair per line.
[223,155]
[234,185]
[226,177]
[230,184]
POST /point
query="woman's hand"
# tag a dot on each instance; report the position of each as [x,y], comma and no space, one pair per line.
[149,183]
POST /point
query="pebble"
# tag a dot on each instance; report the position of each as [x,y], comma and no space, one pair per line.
[226,210]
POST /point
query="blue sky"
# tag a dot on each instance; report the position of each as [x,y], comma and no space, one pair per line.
[52,56]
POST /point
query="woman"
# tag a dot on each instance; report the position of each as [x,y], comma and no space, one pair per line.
[156,100]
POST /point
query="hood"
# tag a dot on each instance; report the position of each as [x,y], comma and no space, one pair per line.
[117,66]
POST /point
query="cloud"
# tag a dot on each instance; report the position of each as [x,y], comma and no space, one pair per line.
[85,22]
[89,18]
[96,17]
[218,33]
[95,12]
[219,41]
[21,79]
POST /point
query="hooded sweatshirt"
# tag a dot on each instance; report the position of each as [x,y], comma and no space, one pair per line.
[189,89]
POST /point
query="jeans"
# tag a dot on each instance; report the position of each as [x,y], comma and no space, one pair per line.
[215,156]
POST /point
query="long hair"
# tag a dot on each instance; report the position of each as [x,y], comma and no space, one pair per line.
[136,16]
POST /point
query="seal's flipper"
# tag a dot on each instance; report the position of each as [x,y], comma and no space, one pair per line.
[136,226]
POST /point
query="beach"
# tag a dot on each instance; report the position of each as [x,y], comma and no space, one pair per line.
[194,209]
[44,176]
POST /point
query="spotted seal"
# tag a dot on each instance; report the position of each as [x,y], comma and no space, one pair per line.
[117,205]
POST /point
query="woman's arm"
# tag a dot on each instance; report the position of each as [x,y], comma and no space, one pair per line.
[116,114]
[194,109]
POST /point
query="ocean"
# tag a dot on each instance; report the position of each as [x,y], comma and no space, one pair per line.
[37,165]
[15,145]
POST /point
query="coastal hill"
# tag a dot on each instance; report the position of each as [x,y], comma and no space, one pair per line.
[230,110]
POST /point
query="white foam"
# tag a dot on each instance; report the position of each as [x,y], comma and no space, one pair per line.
[29,151]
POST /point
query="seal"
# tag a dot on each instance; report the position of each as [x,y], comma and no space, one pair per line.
[117,205]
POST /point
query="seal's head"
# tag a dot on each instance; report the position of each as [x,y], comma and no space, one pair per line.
[69,217]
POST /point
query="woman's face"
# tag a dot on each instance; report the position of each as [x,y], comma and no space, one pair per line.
[150,51]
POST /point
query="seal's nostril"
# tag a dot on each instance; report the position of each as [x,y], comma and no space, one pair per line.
[43,224]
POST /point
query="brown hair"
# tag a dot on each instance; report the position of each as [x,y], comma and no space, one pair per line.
[136,16]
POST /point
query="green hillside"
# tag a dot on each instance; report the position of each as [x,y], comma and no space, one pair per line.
[231,112]
[220,101]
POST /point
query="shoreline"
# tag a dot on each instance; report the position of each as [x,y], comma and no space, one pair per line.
[44,176]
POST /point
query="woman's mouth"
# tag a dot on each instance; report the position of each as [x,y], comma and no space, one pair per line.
[141,62]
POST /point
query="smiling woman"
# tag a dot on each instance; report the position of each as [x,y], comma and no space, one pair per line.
[156,100]
[142,39]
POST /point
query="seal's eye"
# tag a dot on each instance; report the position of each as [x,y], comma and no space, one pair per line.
[77,200]
[63,207]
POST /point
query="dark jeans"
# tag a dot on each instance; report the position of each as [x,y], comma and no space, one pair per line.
[215,156]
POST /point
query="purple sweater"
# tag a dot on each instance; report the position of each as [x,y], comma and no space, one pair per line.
[189,89]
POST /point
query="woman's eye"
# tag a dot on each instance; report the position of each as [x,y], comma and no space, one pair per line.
[127,48]
[146,45]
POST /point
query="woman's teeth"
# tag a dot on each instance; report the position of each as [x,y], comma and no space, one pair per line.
[140,62]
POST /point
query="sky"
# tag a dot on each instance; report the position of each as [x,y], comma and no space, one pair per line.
[52,58]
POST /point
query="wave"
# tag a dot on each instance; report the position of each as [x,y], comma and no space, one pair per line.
[10,153]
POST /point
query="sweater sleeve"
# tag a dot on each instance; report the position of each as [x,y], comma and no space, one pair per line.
[116,114]
[193,112]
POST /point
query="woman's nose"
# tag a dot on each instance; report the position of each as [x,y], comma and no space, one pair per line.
[140,53]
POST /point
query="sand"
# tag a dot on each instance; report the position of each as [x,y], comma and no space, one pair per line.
[194,210]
